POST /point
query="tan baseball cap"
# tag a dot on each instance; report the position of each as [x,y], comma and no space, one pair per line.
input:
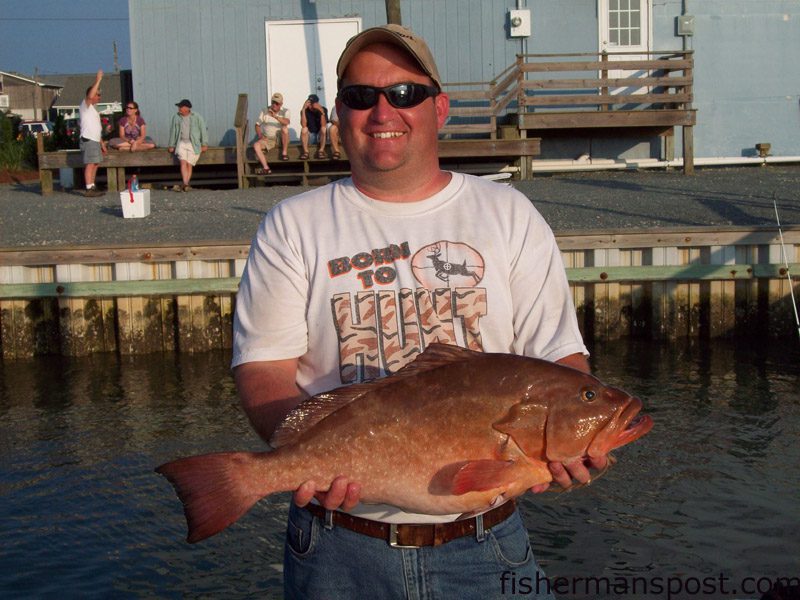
[277,97]
[391,34]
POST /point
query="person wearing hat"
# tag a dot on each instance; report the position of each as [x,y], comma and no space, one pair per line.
[341,286]
[188,139]
[272,119]
[313,121]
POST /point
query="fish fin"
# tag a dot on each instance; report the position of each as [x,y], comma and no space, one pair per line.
[497,501]
[214,489]
[482,475]
[313,410]
[437,354]
[525,423]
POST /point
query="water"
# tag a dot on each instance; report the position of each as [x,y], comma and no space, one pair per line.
[710,494]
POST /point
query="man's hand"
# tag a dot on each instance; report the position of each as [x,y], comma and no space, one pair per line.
[564,474]
[99,75]
[342,495]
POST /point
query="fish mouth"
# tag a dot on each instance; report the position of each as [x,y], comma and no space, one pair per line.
[636,425]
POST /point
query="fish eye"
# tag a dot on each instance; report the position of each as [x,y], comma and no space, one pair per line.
[588,395]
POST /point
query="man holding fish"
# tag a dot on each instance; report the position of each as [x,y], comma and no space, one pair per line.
[353,281]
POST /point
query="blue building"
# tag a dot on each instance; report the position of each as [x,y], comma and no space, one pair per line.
[746,78]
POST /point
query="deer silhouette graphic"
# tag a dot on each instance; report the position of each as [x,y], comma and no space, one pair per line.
[444,268]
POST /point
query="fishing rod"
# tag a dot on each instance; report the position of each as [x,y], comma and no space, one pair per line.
[786,264]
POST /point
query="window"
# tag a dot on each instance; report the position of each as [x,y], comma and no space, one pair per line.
[624,23]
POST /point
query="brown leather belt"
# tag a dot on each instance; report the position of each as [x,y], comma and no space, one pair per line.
[415,536]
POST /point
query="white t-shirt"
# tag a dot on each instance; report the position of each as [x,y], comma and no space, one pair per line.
[270,126]
[91,128]
[357,287]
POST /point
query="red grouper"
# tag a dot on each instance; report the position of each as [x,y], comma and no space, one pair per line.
[454,431]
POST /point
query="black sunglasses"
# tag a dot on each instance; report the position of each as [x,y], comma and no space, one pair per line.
[399,95]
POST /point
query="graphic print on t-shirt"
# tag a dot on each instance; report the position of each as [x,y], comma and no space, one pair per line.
[380,330]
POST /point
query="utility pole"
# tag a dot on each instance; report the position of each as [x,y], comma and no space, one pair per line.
[36,93]
[393,12]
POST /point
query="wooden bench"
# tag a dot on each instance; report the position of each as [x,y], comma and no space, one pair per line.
[118,164]
[115,162]
[519,151]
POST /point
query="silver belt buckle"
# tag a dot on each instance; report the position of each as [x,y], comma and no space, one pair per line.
[393,537]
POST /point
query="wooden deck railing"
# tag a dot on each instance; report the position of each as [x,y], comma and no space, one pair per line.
[539,92]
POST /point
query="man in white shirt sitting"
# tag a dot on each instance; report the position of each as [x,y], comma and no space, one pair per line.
[273,119]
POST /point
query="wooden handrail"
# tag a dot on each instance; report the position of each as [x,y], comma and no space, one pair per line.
[587,99]
[598,65]
[659,53]
[560,84]
[240,118]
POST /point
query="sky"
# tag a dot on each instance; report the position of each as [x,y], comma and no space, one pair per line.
[63,36]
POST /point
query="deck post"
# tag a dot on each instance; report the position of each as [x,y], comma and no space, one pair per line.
[688,130]
[604,75]
[240,127]
[521,96]
[688,150]
[45,175]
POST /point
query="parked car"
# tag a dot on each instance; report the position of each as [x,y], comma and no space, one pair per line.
[35,128]
[73,128]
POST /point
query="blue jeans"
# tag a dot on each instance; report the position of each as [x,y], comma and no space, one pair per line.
[337,563]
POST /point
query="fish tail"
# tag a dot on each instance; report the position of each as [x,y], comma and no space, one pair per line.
[216,489]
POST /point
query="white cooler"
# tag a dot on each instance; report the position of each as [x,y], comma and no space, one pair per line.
[135,204]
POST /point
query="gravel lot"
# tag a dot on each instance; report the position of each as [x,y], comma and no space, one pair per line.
[600,200]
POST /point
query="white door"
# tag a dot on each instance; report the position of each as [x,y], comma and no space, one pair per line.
[625,27]
[301,60]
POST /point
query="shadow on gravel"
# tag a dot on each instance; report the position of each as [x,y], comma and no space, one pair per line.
[247,209]
[759,192]
[750,204]
[114,211]
[622,218]
[28,187]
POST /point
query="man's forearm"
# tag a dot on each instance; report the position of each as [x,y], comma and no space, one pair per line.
[576,361]
[268,392]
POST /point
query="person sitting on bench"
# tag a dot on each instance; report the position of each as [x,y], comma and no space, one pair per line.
[314,121]
[272,119]
[132,131]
